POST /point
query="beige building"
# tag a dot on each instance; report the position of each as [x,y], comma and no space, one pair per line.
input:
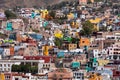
[59,74]
[27,50]
[70,46]
[31,50]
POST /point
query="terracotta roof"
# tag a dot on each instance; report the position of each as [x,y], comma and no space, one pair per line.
[46,58]
[60,73]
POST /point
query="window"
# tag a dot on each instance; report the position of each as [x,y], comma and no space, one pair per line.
[4,65]
[43,65]
[8,65]
[8,69]
[117,72]
[0,65]
[0,69]
[109,57]
[16,79]
[4,69]
[74,45]
[8,77]
[83,41]
[49,65]
[70,45]
[95,50]
[115,52]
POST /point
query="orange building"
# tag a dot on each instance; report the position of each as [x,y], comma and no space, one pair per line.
[11,51]
[45,50]
[95,77]
[44,13]
[84,42]
[2,76]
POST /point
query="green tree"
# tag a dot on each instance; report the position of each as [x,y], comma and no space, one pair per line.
[58,42]
[10,14]
[34,69]
[16,68]
[76,41]
[52,14]
[87,28]
[25,68]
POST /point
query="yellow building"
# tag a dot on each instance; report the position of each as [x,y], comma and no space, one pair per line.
[74,24]
[95,22]
[77,35]
[84,42]
[2,76]
[44,13]
[102,62]
[37,11]
[70,16]
[58,33]
[95,77]
[71,46]
[45,50]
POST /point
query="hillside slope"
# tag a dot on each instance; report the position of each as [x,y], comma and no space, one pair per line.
[28,3]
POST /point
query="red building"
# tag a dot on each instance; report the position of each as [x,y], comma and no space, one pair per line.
[47,59]
[116,75]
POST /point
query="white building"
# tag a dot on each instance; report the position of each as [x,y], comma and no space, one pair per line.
[6,65]
[45,68]
[79,75]
[114,51]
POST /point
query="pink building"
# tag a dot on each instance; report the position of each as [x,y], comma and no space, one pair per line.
[82,1]
[15,76]
[85,1]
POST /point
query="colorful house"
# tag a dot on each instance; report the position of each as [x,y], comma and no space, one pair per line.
[70,16]
[44,13]
[45,50]
[2,76]
[102,62]
[95,22]
[60,54]
[84,42]
[74,24]
[75,65]
[45,24]
[95,76]
[9,26]
[58,34]
[33,15]
[92,64]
